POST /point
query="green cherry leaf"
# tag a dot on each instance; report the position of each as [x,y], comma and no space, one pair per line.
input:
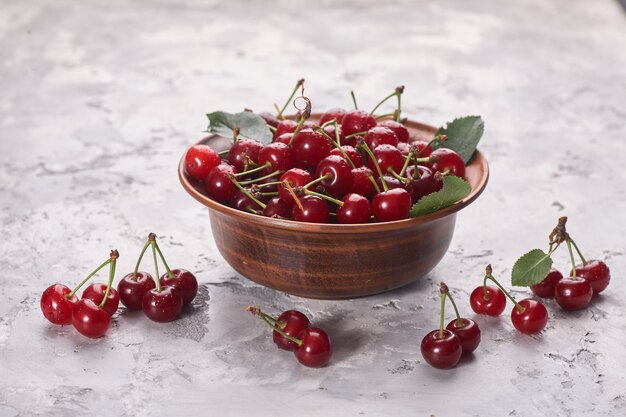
[453,190]
[531,268]
[251,125]
[463,134]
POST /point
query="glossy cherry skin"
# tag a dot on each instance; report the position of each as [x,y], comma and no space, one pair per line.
[314,210]
[533,319]
[423,184]
[95,292]
[332,114]
[444,159]
[441,353]
[356,209]
[279,156]
[163,306]
[422,148]
[55,305]
[296,177]
[361,183]
[391,182]
[244,151]
[292,323]
[309,148]
[315,349]
[89,319]
[200,160]
[352,154]
[388,157]
[492,306]
[285,126]
[469,334]
[404,148]
[573,294]
[380,135]
[401,131]
[391,205]
[132,290]
[545,289]
[184,282]
[218,184]
[284,138]
[596,273]
[356,121]
[337,173]
[279,208]
[269,118]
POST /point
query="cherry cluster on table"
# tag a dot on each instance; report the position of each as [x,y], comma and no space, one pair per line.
[349,169]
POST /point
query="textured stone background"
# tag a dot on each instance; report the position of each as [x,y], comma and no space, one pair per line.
[99,100]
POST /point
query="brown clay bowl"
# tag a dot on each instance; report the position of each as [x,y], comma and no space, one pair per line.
[333,261]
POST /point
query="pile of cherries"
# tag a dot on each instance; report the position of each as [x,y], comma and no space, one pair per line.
[292,331]
[350,167]
[161,300]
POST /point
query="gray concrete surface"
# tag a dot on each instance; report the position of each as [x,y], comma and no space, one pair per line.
[98,100]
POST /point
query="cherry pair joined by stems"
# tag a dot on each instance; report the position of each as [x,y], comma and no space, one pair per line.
[528,316]
[292,331]
[442,348]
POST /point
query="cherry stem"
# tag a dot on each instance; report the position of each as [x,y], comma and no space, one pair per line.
[95,271]
[582,258]
[272,128]
[399,177]
[273,194]
[268,184]
[268,164]
[253,181]
[443,288]
[247,193]
[367,149]
[571,257]
[356,107]
[140,258]
[224,152]
[318,180]
[442,317]
[408,158]
[156,267]
[488,276]
[167,267]
[337,143]
[299,84]
[114,255]
[273,323]
[399,91]
[373,181]
[356,134]
[236,131]
[324,196]
[385,116]
[289,188]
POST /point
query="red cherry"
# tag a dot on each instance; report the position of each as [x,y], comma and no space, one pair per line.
[356,121]
[330,131]
[285,126]
[242,201]
[404,148]
[269,118]
[132,290]
[337,173]
[392,183]
[545,288]
[422,148]
[573,294]
[296,177]
[218,184]
[596,273]
[55,305]
[184,282]
[361,183]
[292,323]
[310,147]
[444,159]
[355,209]
[162,306]
[533,319]
[441,353]
[89,319]
[95,292]
[380,135]
[402,133]
[493,305]
[423,184]
[200,160]
[315,349]
[391,205]
[278,155]
[314,210]
[277,207]
[332,114]
[244,152]
[388,157]
[284,138]
[469,334]
[352,154]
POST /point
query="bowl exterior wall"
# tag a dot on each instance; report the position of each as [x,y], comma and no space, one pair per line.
[327,265]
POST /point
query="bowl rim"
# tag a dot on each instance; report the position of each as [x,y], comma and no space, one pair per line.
[477,160]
